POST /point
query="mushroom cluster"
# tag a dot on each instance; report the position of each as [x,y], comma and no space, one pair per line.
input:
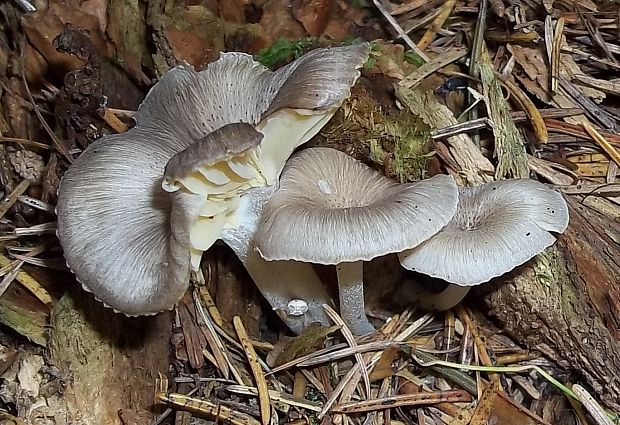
[207,161]
[136,210]
[332,209]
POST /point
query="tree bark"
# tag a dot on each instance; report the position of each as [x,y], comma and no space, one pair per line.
[110,361]
[566,302]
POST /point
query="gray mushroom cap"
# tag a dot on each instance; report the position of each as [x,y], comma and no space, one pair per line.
[331,208]
[497,227]
[125,238]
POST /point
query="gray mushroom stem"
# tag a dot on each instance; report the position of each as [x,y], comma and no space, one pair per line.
[282,283]
[351,293]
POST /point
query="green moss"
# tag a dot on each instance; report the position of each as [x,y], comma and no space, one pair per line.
[397,142]
[284,50]
[411,155]
[543,270]
[413,58]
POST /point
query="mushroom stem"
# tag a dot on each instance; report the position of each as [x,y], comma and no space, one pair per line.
[351,292]
[280,282]
[442,301]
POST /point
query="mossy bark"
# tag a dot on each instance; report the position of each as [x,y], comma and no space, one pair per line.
[566,302]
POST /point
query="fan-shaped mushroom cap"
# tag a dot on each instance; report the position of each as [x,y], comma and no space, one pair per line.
[332,209]
[497,227]
[126,239]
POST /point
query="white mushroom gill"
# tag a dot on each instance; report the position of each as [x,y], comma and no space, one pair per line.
[131,236]
[497,227]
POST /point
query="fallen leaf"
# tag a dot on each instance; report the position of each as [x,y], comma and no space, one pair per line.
[24,320]
[232,11]
[278,18]
[28,374]
[313,14]
[308,341]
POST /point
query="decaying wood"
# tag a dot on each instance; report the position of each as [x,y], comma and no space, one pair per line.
[566,303]
[111,361]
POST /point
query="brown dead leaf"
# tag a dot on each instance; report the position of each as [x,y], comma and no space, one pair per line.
[17,111]
[383,368]
[534,64]
[193,34]
[24,315]
[98,9]
[569,69]
[42,27]
[232,11]
[313,14]
[278,18]
[390,61]
[51,180]
[531,60]
[35,66]
[309,340]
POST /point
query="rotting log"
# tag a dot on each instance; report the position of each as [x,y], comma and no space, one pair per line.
[110,361]
[566,302]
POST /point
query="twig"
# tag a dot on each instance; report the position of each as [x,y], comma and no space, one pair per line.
[217,348]
[113,121]
[438,22]
[605,190]
[60,147]
[446,58]
[9,201]
[416,399]
[401,33]
[536,119]
[261,384]
[517,116]
[25,142]
[346,352]
[602,142]
[594,112]
[29,283]
[482,349]
[277,396]
[348,336]
[205,407]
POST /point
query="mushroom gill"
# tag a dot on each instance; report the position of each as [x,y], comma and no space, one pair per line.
[137,209]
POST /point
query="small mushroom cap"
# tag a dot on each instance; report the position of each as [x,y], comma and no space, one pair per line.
[220,145]
[126,239]
[331,208]
[497,227]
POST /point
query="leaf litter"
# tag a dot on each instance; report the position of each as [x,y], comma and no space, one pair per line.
[524,89]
